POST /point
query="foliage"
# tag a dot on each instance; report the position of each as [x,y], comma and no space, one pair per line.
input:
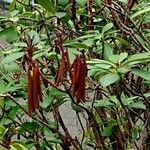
[91,55]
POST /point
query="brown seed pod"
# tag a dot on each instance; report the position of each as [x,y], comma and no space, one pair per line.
[131,4]
[39,88]
[30,94]
[67,60]
[61,70]
[35,86]
[78,79]
[60,74]
[81,82]
[84,73]
[75,75]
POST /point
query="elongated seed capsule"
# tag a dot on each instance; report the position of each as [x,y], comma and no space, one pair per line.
[61,70]
[35,87]
[85,75]
[39,86]
[30,94]
[131,4]
[67,63]
[60,75]
[74,78]
[81,83]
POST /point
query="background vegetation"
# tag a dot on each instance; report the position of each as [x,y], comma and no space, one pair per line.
[110,42]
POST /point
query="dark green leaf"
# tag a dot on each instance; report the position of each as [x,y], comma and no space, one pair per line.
[107,131]
[48,5]
[30,126]
[76,107]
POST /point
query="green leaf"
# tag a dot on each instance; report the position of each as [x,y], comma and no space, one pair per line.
[98,2]
[56,93]
[3,130]
[89,42]
[123,41]
[18,145]
[86,37]
[40,53]
[60,14]
[29,126]
[114,58]
[12,57]
[107,27]
[81,2]
[102,66]
[34,36]
[137,105]
[103,103]
[109,79]
[142,73]
[12,5]
[13,112]
[75,45]
[48,5]
[107,51]
[141,56]
[2,88]
[98,61]
[122,56]
[9,33]
[76,107]
[146,10]
[107,131]
[47,102]
[63,2]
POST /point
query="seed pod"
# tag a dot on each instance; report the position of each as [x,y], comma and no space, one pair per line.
[35,86]
[61,70]
[76,69]
[84,73]
[81,81]
[131,4]
[30,94]
[39,87]
[67,62]
[60,74]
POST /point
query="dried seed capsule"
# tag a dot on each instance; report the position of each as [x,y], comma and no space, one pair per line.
[76,69]
[81,88]
[39,87]
[30,94]
[131,4]
[35,86]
